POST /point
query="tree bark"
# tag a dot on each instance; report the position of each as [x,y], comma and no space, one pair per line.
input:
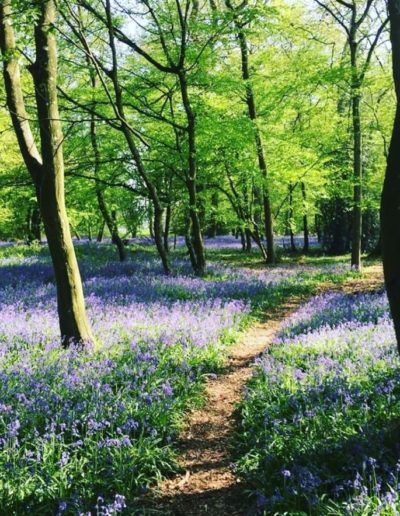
[34,222]
[191,179]
[119,109]
[167,225]
[262,164]
[101,201]
[357,167]
[306,243]
[290,219]
[47,169]
[390,201]
[248,240]
[101,231]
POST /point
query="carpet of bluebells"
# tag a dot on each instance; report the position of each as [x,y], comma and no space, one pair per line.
[320,420]
[90,432]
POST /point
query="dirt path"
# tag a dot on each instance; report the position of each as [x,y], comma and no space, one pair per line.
[208,486]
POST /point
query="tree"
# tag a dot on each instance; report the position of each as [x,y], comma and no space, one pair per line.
[46,167]
[361,46]
[390,203]
[252,112]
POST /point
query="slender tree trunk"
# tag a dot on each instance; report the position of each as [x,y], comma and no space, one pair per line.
[75,231]
[159,238]
[151,221]
[257,239]
[390,202]
[108,219]
[262,164]
[242,239]
[248,240]
[306,244]
[191,179]
[33,225]
[118,107]
[357,194]
[74,324]
[189,243]
[357,157]
[167,225]
[290,219]
[101,231]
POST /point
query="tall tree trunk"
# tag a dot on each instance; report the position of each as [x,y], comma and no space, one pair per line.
[189,243]
[33,224]
[119,109]
[262,164]
[159,238]
[151,220]
[101,231]
[191,180]
[242,239]
[357,193]
[47,170]
[101,201]
[248,240]
[357,156]
[306,244]
[89,226]
[290,219]
[167,225]
[390,202]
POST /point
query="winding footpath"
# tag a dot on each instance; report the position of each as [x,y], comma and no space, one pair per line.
[208,485]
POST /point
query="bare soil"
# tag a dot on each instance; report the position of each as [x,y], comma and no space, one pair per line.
[208,485]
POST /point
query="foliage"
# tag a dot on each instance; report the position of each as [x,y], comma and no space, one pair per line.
[320,417]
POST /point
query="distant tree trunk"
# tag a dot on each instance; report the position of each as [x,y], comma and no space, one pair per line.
[242,239]
[189,244]
[290,219]
[33,224]
[306,244]
[167,225]
[252,111]
[357,189]
[47,169]
[390,202]
[89,231]
[75,231]
[109,220]
[213,227]
[100,233]
[116,239]
[159,238]
[151,221]
[317,222]
[248,240]
[155,226]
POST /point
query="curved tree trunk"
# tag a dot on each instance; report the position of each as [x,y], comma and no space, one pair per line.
[47,170]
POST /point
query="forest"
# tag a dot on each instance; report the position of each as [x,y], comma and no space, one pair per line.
[199,257]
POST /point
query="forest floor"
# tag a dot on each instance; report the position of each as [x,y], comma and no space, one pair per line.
[207,484]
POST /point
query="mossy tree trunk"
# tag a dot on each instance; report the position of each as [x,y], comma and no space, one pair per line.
[46,168]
